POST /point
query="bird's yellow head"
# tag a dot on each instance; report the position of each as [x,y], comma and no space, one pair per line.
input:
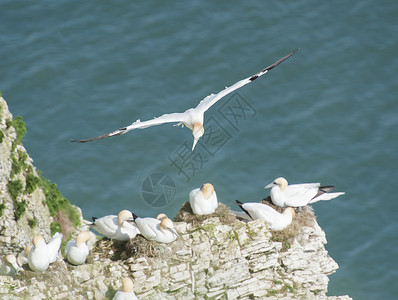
[197,132]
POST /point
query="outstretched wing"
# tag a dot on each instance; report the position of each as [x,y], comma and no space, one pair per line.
[166,118]
[207,102]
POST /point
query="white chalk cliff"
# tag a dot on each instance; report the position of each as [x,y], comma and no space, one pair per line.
[216,257]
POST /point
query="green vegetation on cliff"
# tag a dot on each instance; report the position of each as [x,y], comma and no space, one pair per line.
[17,188]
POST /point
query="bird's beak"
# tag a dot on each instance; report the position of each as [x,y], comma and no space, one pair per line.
[268,186]
[130,220]
[194,143]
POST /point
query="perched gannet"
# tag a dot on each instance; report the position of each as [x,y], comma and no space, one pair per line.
[22,257]
[9,266]
[125,292]
[260,211]
[160,229]
[42,254]
[192,118]
[77,251]
[203,200]
[297,195]
[116,227]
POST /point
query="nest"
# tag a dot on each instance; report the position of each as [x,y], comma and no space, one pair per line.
[107,248]
[222,212]
[140,246]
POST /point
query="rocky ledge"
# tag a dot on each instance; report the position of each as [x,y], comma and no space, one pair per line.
[215,257]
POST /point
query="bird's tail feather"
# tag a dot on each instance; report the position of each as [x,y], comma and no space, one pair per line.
[326,196]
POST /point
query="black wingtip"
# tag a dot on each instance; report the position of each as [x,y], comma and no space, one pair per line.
[323,190]
[326,188]
[280,61]
[134,216]
[239,203]
[94,218]
[241,206]
[255,76]
[77,141]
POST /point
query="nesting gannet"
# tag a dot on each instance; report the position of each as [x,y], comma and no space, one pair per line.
[203,200]
[192,118]
[274,219]
[42,254]
[77,251]
[116,227]
[22,257]
[9,266]
[160,229]
[296,195]
[125,292]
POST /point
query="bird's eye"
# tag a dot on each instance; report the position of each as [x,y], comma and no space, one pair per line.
[275,182]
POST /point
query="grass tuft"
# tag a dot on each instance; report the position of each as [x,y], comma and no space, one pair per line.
[15,188]
[55,227]
[32,182]
[2,207]
[20,128]
[19,209]
[56,202]
[32,223]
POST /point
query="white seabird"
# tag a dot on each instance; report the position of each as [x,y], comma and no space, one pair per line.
[203,200]
[125,292]
[116,227]
[297,195]
[42,254]
[160,229]
[77,250]
[9,266]
[274,219]
[192,118]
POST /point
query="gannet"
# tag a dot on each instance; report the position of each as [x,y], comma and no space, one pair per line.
[116,227]
[125,292]
[274,219]
[42,254]
[192,118]
[9,266]
[77,251]
[160,229]
[297,195]
[203,200]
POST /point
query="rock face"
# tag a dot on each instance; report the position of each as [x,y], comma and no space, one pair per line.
[215,257]
[14,227]
[210,260]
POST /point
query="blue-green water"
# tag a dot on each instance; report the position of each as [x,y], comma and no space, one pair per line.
[78,69]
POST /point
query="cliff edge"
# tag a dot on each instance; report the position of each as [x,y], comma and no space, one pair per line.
[215,257]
